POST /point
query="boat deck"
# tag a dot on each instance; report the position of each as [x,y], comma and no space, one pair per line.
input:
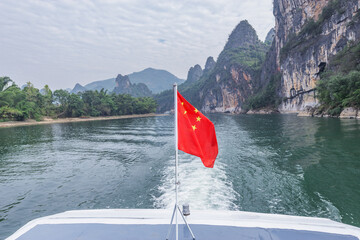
[93,231]
[149,224]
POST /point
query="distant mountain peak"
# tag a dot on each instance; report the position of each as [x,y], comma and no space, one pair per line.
[194,74]
[107,84]
[122,82]
[78,88]
[124,86]
[150,69]
[242,36]
[156,79]
[210,64]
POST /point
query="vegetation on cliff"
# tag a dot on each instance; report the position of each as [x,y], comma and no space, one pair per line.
[339,85]
[243,48]
[312,29]
[251,57]
[238,66]
[247,76]
[267,97]
[31,103]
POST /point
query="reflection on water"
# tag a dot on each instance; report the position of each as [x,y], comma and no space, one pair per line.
[273,164]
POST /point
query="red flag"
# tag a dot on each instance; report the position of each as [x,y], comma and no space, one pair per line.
[196,133]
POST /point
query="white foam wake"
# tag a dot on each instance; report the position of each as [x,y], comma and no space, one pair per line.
[201,187]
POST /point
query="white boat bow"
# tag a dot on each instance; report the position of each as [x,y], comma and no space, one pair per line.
[153,224]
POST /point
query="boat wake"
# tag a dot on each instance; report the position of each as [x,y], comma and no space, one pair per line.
[201,187]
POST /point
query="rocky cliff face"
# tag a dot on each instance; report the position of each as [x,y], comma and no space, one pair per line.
[209,65]
[308,34]
[270,36]
[194,74]
[231,81]
[124,86]
[224,85]
[256,75]
[196,80]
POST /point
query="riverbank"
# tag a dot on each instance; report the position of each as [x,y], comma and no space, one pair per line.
[68,120]
[346,113]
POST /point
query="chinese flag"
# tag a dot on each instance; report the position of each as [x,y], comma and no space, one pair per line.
[196,133]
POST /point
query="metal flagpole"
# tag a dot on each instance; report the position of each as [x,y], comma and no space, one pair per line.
[176,207]
[176,159]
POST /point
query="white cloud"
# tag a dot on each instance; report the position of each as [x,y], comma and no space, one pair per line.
[63,42]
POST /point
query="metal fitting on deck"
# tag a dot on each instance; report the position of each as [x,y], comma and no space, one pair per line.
[186,209]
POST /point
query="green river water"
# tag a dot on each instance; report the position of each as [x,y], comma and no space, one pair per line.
[271,164]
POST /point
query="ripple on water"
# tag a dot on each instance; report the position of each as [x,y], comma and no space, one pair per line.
[271,164]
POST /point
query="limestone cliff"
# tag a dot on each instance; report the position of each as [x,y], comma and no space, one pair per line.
[270,36]
[194,74]
[196,79]
[225,85]
[284,73]
[308,34]
[232,80]
[124,86]
[209,65]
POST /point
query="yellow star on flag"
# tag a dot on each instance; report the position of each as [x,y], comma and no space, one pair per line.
[196,110]
[182,103]
[185,112]
[198,119]
[194,127]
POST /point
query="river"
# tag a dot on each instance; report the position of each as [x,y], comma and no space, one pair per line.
[271,164]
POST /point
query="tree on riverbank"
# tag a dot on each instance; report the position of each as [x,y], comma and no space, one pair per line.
[31,103]
[4,81]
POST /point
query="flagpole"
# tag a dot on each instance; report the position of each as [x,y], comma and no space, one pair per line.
[176,207]
[176,159]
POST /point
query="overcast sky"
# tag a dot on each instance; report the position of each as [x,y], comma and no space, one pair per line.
[64,42]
